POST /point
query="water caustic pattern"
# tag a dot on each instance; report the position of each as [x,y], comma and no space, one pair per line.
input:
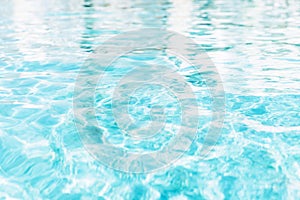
[253,44]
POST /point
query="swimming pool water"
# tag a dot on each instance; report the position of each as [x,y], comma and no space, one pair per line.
[255,46]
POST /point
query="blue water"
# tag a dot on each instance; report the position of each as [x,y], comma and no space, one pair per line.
[255,47]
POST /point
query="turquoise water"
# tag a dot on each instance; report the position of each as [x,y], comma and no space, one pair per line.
[253,44]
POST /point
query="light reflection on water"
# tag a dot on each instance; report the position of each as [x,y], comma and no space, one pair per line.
[254,44]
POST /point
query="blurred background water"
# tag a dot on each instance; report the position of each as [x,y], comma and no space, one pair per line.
[254,44]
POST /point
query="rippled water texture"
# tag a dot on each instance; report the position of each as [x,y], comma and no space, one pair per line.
[255,46]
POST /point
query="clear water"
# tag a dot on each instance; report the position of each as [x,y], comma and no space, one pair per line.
[255,46]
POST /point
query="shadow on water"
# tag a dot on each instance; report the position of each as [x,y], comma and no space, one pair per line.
[87,37]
